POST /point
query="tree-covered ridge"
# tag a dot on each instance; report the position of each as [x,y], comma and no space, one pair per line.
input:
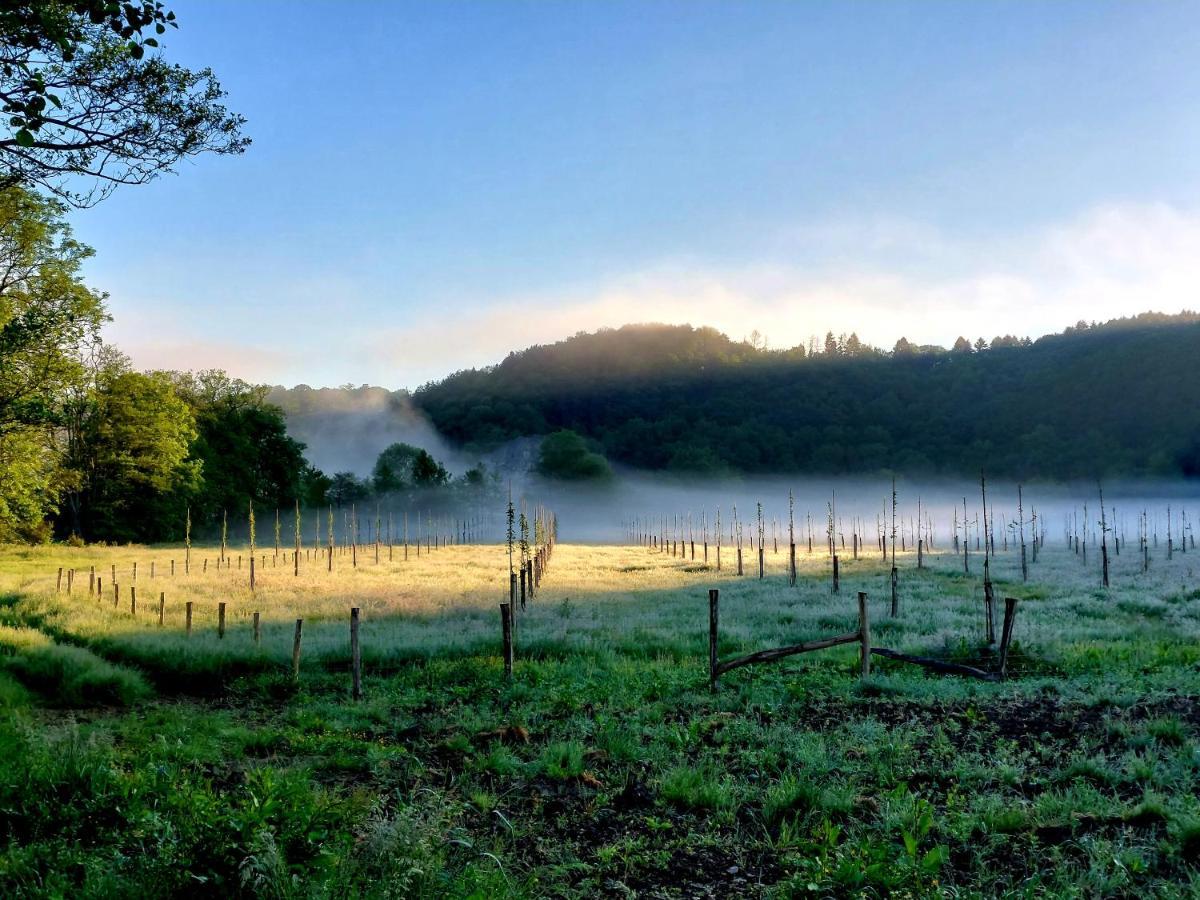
[1098,399]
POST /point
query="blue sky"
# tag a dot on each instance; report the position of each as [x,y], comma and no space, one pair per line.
[434,184]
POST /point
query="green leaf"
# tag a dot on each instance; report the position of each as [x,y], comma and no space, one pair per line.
[932,861]
[24,138]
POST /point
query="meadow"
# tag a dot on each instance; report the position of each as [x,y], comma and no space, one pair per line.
[136,759]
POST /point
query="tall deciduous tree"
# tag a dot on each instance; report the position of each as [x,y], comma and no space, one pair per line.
[129,443]
[87,108]
[402,467]
[49,322]
[242,444]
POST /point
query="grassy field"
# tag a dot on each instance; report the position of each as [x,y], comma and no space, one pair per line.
[138,761]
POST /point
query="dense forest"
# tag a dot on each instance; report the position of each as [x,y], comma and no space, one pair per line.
[1098,399]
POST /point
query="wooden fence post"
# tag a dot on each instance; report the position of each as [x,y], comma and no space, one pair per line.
[713,602]
[355,655]
[221,619]
[506,636]
[257,629]
[864,631]
[187,619]
[162,608]
[58,587]
[133,600]
[296,649]
[1010,612]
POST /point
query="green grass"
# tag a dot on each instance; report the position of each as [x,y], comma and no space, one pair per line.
[137,761]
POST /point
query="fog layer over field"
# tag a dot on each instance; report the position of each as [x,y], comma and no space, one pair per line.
[600,514]
[345,430]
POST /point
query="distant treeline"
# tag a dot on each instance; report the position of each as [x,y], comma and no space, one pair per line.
[1099,399]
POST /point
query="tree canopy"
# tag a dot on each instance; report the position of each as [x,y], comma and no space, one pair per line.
[87,108]
[564,454]
[403,467]
[1098,399]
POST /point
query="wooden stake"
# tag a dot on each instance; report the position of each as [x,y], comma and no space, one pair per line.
[714,599]
[296,649]
[355,656]
[506,637]
[864,631]
[1010,612]
[221,619]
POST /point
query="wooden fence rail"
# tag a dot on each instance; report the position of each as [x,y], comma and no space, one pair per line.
[861,636]
[716,668]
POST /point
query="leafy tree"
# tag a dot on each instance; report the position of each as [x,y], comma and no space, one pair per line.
[48,317]
[83,98]
[346,488]
[29,486]
[129,439]
[403,467]
[242,444]
[49,323]
[565,454]
[314,487]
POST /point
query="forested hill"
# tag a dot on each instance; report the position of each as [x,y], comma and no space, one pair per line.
[1116,398]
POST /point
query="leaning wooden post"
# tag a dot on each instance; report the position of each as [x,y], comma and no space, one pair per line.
[257,629]
[296,649]
[132,600]
[506,635]
[713,603]
[58,587]
[1010,612]
[187,619]
[864,633]
[162,608]
[355,655]
[221,619]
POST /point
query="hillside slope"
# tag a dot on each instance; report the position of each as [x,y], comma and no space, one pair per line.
[1118,398]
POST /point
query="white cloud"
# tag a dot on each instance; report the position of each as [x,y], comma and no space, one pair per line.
[883,279]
